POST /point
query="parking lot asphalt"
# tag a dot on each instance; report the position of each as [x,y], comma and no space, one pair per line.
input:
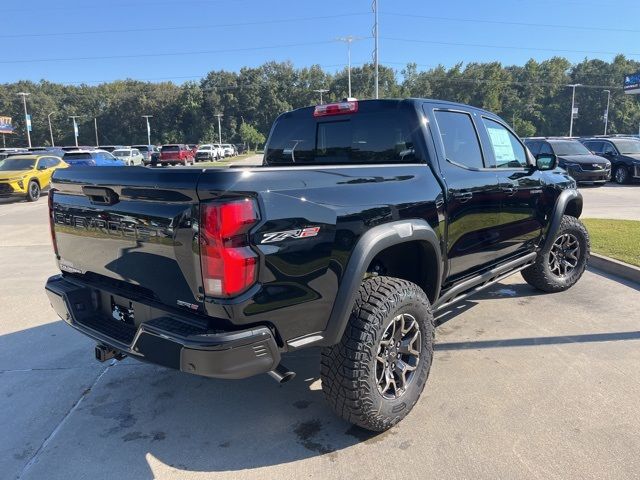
[621,202]
[523,385]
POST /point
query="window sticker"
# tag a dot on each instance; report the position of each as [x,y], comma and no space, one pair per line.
[502,147]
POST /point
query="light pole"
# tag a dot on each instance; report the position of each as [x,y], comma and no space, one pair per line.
[375,37]
[27,119]
[147,117]
[75,127]
[321,91]
[53,144]
[573,101]
[219,115]
[606,112]
[348,40]
[95,127]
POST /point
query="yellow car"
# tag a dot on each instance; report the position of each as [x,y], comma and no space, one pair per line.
[27,175]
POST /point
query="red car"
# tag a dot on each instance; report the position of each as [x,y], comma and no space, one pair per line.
[176,153]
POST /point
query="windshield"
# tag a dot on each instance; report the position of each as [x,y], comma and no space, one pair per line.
[628,147]
[570,148]
[77,156]
[170,148]
[17,164]
[122,153]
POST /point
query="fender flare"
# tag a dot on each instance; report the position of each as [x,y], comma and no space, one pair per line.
[368,246]
[559,209]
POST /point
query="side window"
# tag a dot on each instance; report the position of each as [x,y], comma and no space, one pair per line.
[135,152]
[534,147]
[507,149]
[546,148]
[461,144]
[595,147]
[608,149]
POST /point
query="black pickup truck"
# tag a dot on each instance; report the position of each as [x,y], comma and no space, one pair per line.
[365,220]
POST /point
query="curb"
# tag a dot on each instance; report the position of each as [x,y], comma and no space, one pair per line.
[615,267]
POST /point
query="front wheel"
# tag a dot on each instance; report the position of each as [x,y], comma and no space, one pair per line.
[621,175]
[375,375]
[33,191]
[561,264]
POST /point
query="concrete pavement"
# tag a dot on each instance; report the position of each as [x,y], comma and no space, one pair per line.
[523,386]
[621,202]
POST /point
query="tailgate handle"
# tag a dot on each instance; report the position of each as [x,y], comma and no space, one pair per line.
[101,195]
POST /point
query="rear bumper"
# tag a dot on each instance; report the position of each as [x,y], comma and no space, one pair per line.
[168,340]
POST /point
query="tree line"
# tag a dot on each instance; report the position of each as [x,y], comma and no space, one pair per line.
[534,98]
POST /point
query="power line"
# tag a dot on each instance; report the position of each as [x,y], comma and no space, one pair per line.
[165,54]
[174,28]
[520,24]
[508,47]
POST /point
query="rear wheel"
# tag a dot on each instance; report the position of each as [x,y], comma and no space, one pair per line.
[621,175]
[375,375]
[561,264]
[33,191]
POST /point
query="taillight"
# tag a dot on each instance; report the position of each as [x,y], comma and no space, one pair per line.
[229,266]
[340,108]
[51,222]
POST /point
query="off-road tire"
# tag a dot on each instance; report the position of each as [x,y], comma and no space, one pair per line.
[540,276]
[348,369]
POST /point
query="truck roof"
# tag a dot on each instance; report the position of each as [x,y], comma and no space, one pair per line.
[413,100]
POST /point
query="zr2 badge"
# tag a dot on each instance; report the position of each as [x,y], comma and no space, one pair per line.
[299,233]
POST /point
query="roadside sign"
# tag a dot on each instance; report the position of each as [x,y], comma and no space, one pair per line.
[5,125]
[574,112]
[29,122]
[632,83]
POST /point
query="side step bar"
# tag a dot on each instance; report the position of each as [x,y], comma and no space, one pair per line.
[482,281]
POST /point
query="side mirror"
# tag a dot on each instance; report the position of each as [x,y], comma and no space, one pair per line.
[546,161]
[42,167]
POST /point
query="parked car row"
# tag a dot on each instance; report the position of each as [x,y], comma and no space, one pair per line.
[593,160]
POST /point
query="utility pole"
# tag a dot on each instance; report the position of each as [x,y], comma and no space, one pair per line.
[606,112]
[75,127]
[348,40]
[376,55]
[95,126]
[321,91]
[27,118]
[147,117]
[573,102]
[53,144]
[219,115]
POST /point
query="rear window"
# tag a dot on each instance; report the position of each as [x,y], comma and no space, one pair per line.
[378,133]
[170,148]
[77,156]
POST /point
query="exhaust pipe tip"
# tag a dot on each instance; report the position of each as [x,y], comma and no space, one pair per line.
[281,374]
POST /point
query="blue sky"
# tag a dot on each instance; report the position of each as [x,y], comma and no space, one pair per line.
[182,40]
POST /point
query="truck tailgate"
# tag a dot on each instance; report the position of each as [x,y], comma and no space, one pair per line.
[136,227]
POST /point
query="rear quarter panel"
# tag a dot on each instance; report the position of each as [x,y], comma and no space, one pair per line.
[299,277]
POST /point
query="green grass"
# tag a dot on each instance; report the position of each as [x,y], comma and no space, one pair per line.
[226,162]
[619,239]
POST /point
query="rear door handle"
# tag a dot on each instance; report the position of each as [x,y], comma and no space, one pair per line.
[463,197]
